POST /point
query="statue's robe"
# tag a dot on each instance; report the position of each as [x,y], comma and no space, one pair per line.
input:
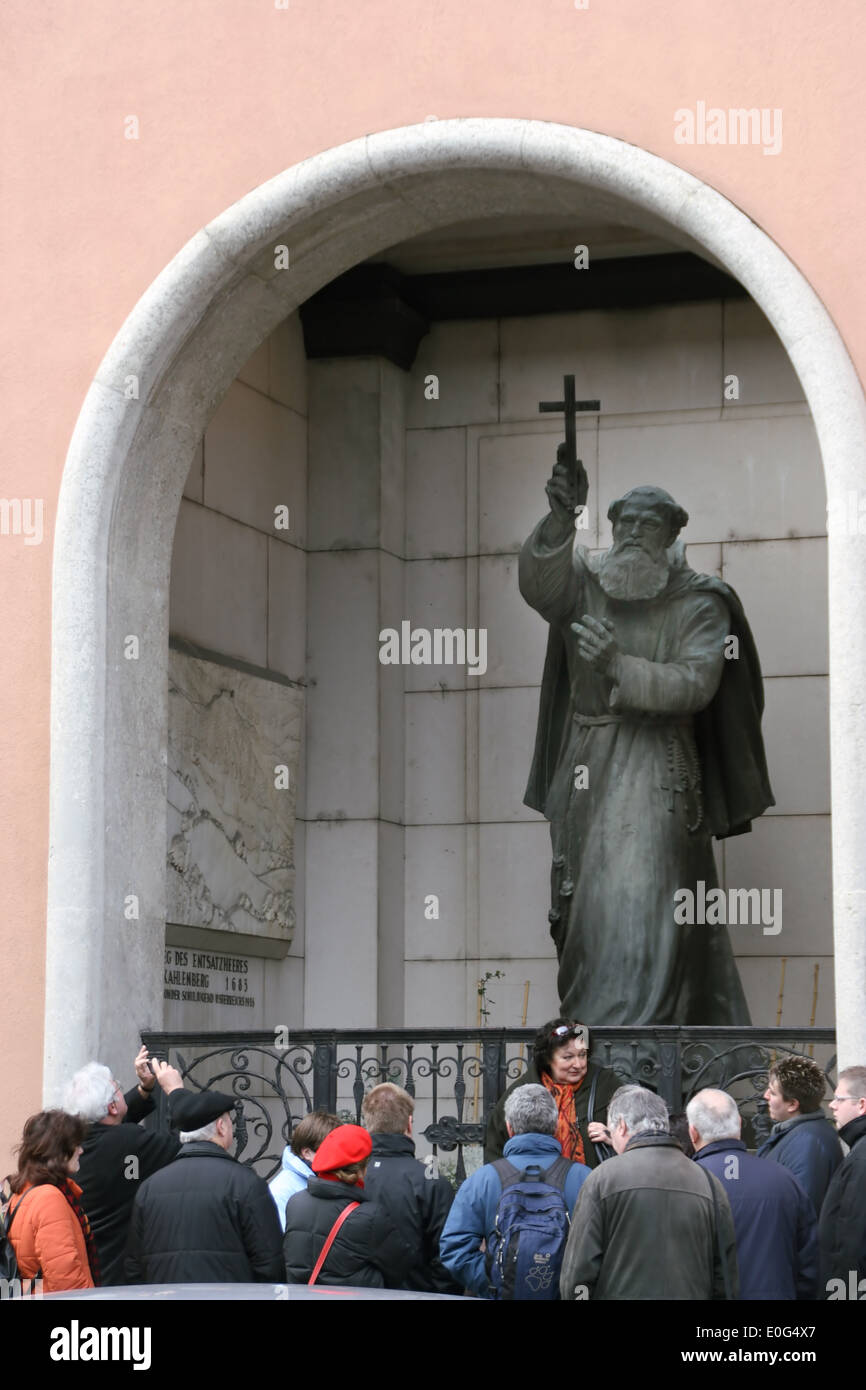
[673,756]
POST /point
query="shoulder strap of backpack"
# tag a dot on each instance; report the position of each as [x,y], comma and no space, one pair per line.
[725,1275]
[332,1234]
[507,1173]
[8,1211]
[557,1174]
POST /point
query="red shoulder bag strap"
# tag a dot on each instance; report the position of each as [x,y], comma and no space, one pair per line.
[332,1234]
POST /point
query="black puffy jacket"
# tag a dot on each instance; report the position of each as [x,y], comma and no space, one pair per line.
[368,1250]
[417,1202]
[205,1218]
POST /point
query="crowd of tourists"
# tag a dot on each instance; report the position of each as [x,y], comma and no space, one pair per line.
[589,1190]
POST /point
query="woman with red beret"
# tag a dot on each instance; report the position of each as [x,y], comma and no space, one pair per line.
[335,1234]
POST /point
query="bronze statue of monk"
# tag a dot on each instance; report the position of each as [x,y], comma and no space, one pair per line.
[648,745]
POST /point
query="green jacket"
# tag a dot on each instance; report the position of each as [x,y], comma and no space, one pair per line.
[608,1082]
[645,1228]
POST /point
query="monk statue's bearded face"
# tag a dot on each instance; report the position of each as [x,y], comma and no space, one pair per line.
[636,566]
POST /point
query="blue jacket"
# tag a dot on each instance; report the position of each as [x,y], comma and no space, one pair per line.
[291,1179]
[473,1214]
[774,1222]
[809,1147]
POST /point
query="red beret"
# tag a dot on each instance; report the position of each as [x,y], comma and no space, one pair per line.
[344,1145]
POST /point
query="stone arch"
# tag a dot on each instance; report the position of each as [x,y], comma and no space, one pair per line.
[185,341]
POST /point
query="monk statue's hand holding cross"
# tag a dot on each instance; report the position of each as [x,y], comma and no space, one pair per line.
[565,493]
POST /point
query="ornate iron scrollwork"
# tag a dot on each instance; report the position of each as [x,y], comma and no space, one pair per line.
[461,1072]
[448,1132]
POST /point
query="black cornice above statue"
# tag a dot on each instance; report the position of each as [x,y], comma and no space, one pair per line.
[364,313]
[375,310]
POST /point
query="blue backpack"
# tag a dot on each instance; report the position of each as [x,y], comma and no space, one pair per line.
[524,1254]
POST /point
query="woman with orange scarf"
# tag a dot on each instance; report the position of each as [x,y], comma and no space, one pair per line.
[560,1062]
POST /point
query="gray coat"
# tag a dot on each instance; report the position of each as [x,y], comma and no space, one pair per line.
[644,1228]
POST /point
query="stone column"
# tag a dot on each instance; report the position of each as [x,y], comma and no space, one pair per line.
[355,722]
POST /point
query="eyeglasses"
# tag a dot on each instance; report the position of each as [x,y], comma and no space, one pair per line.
[838,1099]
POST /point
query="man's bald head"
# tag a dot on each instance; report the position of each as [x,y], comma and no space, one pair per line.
[712,1115]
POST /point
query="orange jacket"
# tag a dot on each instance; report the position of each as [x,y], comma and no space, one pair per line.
[46,1235]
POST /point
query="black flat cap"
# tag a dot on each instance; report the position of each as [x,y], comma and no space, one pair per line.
[195,1109]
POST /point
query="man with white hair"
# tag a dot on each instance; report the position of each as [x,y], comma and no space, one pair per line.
[774,1220]
[649,1224]
[117,1153]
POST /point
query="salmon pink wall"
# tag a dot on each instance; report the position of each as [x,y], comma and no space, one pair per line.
[227,94]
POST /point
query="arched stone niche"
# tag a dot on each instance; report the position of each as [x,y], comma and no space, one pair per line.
[185,341]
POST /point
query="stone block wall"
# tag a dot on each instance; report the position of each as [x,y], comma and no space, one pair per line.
[405,507]
[238,590]
[748,472]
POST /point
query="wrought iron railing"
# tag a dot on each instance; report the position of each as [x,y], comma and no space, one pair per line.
[457,1074]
